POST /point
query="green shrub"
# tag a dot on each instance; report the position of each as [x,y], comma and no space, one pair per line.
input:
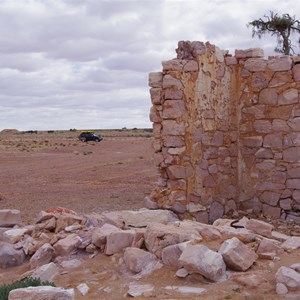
[24,283]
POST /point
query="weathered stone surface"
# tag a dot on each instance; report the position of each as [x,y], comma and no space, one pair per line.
[46,272]
[169,82]
[138,260]
[270,198]
[288,97]
[289,277]
[263,126]
[155,79]
[191,66]
[83,288]
[173,94]
[252,52]
[292,243]
[273,140]
[259,227]
[271,211]
[293,183]
[171,127]
[291,154]
[9,256]
[42,256]
[200,259]
[14,235]
[156,97]
[159,236]
[9,217]
[250,280]
[296,72]
[255,64]
[137,289]
[236,255]
[119,240]
[173,65]
[173,109]
[216,211]
[42,292]
[100,234]
[178,172]
[170,254]
[252,141]
[281,289]
[269,246]
[67,245]
[268,96]
[279,112]
[186,289]
[283,63]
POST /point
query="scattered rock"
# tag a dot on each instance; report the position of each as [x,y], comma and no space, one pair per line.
[67,245]
[292,243]
[185,289]
[83,288]
[9,256]
[260,227]
[10,217]
[41,292]
[200,259]
[46,272]
[14,235]
[42,256]
[236,255]
[136,289]
[289,277]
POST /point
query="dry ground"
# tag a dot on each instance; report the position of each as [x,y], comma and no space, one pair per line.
[55,169]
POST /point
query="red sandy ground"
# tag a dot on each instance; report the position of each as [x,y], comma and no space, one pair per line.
[45,170]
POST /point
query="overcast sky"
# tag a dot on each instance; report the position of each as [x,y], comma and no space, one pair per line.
[84,63]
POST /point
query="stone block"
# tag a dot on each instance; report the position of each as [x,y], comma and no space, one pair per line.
[262,126]
[294,124]
[259,227]
[293,183]
[280,78]
[119,240]
[252,141]
[156,96]
[173,109]
[154,115]
[173,94]
[191,66]
[172,128]
[236,255]
[173,65]
[170,255]
[42,256]
[255,64]
[155,79]
[296,72]
[68,245]
[173,141]
[289,277]
[273,140]
[178,172]
[289,96]
[296,195]
[271,211]
[9,256]
[286,204]
[252,52]
[269,246]
[282,63]
[282,112]
[291,154]
[268,96]
[270,198]
[230,60]
[264,153]
[280,125]
[216,211]
[201,260]
[170,82]
[46,272]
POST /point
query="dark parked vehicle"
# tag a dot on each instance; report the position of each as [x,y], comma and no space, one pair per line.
[89,136]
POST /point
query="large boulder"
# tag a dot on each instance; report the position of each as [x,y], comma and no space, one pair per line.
[159,236]
[41,292]
[100,234]
[42,256]
[236,255]
[68,245]
[200,259]
[170,255]
[9,256]
[117,241]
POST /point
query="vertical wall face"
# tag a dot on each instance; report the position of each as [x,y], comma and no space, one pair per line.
[226,133]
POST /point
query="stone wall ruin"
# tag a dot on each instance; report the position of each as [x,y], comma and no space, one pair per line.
[226,133]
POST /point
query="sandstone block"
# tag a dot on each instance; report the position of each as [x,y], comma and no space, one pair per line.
[292,154]
[230,60]
[170,82]
[263,126]
[117,241]
[15,235]
[296,72]
[67,245]
[252,141]
[255,64]
[268,96]
[282,63]
[280,125]
[264,153]
[259,82]
[155,79]
[250,280]
[293,183]
[280,78]
[170,254]
[270,198]
[289,277]
[138,260]
[178,172]
[236,255]
[42,256]
[173,94]
[294,124]
[273,140]
[154,115]
[173,141]
[156,96]
[9,217]
[282,112]
[159,236]
[191,66]
[292,243]
[100,234]
[173,65]
[9,256]
[268,185]
[296,196]
[173,109]
[41,292]
[271,211]
[286,204]
[288,97]
[252,52]
[46,272]
[216,211]
[269,246]
[172,128]
[200,259]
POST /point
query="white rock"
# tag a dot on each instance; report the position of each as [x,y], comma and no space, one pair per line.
[292,243]
[42,256]
[46,272]
[15,235]
[281,289]
[83,288]
[136,289]
[41,292]
[182,273]
[200,259]
[289,277]
[185,289]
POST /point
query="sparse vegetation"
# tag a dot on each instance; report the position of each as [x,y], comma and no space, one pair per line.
[24,283]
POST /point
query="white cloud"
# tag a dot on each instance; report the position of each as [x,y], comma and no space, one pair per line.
[85,63]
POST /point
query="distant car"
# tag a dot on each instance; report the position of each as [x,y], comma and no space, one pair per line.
[89,136]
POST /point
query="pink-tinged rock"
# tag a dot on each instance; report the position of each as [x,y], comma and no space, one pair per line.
[268,96]
[294,123]
[150,204]
[100,234]
[67,245]
[250,280]
[216,211]
[280,125]
[255,64]
[270,198]
[292,154]
[263,126]
[259,82]
[296,267]
[264,153]
[117,241]
[292,140]
[138,260]
[155,79]
[269,246]
[281,78]
[156,130]
[201,260]
[46,272]
[173,141]
[293,183]
[14,235]
[170,255]
[173,109]
[267,185]
[179,172]
[230,60]
[282,63]
[41,292]
[296,72]
[42,256]
[252,141]
[258,111]
[279,112]
[273,140]
[177,196]
[252,52]
[289,277]
[286,204]
[281,289]
[266,164]
[296,195]
[191,66]
[271,211]
[169,82]
[159,236]
[209,233]
[173,65]
[172,128]
[244,235]
[9,256]
[156,96]
[209,182]
[288,97]
[236,255]
[173,94]
[9,217]
[154,115]
[220,72]
[279,236]
[292,243]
